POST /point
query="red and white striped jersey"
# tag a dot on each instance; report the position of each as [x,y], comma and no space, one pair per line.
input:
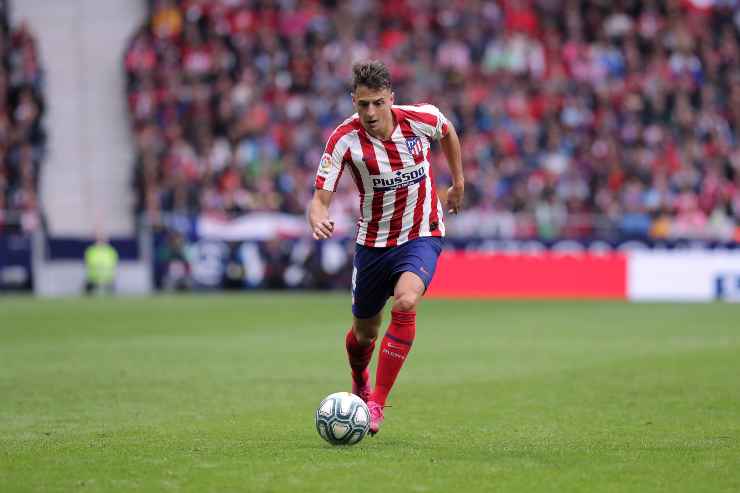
[398,201]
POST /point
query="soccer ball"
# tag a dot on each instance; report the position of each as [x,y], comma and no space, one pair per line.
[342,419]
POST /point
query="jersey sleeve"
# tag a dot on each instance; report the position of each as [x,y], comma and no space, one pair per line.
[331,165]
[430,121]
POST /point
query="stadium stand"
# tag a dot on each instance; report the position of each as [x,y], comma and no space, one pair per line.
[608,119]
[22,136]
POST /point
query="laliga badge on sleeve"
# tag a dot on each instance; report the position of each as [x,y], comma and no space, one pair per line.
[325,165]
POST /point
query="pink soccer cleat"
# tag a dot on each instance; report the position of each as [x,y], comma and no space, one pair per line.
[376,416]
[362,390]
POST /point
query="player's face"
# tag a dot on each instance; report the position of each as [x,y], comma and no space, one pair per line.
[374,108]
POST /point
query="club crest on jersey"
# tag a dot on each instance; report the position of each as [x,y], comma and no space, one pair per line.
[414,145]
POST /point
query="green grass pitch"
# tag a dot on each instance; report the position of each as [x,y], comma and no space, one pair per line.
[217,393]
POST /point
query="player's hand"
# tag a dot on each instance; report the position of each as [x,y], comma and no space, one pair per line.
[322,230]
[455,198]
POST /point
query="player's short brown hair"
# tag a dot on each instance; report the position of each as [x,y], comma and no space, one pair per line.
[372,74]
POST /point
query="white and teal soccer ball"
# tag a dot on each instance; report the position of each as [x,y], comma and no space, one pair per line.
[342,419]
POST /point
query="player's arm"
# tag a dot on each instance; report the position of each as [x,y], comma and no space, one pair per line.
[327,176]
[322,226]
[451,148]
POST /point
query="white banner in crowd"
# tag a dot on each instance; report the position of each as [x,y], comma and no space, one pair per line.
[260,226]
[256,226]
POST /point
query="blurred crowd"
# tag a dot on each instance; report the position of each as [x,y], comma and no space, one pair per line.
[601,118]
[22,137]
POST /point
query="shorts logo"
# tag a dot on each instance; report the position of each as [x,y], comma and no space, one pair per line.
[354,283]
[414,145]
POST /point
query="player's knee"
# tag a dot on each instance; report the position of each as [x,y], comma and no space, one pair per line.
[405,302]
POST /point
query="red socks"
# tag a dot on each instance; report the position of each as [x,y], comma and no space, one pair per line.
[393,351]
[359,357]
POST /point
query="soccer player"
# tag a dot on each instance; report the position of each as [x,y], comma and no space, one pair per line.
[386,148]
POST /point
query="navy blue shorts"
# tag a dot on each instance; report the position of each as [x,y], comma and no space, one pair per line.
[376,271]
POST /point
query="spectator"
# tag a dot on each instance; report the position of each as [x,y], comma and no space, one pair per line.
[614,118]
[22,137]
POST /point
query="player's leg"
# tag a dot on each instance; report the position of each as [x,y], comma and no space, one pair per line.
[399,336]
[360,344]
[407,293]
[366,330]
[369,293]
[414,269]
